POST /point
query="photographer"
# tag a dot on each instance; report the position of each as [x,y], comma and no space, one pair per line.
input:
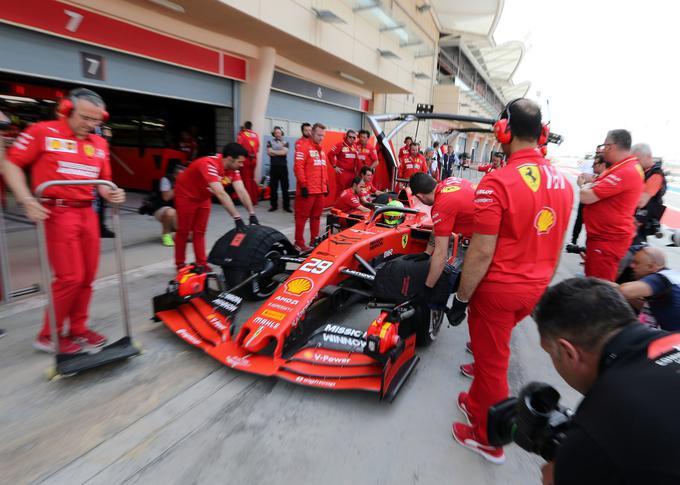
[650,208]
[657,289]
[625,429]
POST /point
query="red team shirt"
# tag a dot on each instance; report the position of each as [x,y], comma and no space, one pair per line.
[404,152]
[348,201]
[527,204]
[249,140]
[411,165]
[193,183]
[53,152]
[343,156]
[310,167]
[618,188]
[453,208]
[366,155]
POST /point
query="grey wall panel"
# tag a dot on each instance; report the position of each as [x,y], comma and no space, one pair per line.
[27,52]
[288,107]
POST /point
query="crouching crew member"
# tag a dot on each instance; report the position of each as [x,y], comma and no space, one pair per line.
[520,218]
[349,200]
[452,211]
[311,186]
[194,189]
[66,149]
[609,203]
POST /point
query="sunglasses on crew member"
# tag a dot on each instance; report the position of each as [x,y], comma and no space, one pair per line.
[601,148]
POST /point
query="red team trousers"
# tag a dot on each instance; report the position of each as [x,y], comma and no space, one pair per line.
[603,257]
[72,236]
[492,316]
[248,177]
[191,217]
[309,207]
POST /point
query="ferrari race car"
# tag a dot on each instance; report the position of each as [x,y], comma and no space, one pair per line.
[296,334]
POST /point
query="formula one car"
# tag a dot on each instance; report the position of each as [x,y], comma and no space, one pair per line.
[295,334]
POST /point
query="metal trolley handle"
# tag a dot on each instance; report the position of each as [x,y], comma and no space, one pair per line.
[45,265]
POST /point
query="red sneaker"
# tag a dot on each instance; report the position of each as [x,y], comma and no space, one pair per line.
[465,435]
[66,345]
[468,347]
[462,405]
[302,248]
[468,370]
[91,338]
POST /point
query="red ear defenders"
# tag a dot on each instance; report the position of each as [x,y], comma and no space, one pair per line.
[66,105]
[501,128]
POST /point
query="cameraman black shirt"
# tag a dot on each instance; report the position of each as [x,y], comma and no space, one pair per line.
[627,428]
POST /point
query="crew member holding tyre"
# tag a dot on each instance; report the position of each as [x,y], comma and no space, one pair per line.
[311,186]
[66,149]
[452,211]
[520,218]
[194,189]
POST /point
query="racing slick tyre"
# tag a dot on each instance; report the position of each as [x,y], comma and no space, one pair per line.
[428,323]
[244,254]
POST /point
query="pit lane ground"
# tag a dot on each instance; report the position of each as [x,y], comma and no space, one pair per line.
[174,415]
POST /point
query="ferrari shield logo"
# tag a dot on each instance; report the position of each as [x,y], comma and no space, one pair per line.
[450,188]
[404,241]
[89,150]
[531,175]
[545,220]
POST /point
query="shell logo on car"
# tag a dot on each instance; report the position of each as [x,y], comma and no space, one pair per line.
[298,286]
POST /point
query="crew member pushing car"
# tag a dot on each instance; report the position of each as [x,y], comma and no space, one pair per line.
[521,214]
[311,186]
[194,189]
[66,149]
[452,211]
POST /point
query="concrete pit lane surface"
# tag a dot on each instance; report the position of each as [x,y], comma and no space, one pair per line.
[175,416]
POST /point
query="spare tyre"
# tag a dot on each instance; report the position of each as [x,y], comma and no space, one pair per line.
[242,254]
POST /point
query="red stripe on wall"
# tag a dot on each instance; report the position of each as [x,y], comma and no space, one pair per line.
[75,23]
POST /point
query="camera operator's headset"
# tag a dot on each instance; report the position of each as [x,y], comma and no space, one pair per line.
[67,104]
[501,128]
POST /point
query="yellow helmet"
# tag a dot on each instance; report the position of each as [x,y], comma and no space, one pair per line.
[394,218]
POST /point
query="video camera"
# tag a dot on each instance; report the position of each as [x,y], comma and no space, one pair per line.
[575,249]
[534,420]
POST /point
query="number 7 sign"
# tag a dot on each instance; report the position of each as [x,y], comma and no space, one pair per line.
[93,66]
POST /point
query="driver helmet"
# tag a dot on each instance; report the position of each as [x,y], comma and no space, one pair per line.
[394,218]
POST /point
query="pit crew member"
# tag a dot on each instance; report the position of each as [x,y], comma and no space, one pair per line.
[520,218]
[343,158]
[610,202]
[194,188]
[66,149]
[650,208]
[452,212]
[306,130]
[496,163]
[405,150]
[367,155]
[369,191]
[349,200]
[311,187]
[625,430]
[413,163]
[249,140]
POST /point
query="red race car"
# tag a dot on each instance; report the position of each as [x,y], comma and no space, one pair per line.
[296,333]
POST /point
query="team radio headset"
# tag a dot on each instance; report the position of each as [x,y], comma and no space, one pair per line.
[501,128]
[67,104]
